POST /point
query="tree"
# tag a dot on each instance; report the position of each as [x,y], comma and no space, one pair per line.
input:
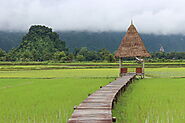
[80,58]
[2,55]
[60,56]
[110,58]
[103,54]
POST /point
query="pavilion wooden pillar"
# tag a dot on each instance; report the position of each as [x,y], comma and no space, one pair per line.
[120,62]
[120,65]
[143,68]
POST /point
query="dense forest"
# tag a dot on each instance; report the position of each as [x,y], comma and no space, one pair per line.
[43,44]
[111,41]
[99,40]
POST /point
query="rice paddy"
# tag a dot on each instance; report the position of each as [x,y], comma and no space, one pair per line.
[152,100]
[46,96]
[49,95]
[43,100]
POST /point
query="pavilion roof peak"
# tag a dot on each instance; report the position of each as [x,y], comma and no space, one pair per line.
[132,44]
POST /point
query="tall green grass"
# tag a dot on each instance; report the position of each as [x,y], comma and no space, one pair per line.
[43,100]
[47,96]
[156,100]
[165,72]
[63,73]
[7,66]
[90,73]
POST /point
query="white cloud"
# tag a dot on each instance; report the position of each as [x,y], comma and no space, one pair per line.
[150,16]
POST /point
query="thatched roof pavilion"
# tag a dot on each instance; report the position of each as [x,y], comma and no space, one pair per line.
[132,45]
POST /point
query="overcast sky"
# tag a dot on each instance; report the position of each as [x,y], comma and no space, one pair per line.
[150,16]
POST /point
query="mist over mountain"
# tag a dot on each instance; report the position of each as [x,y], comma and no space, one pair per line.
[150,16]
[9,40]
[99,40]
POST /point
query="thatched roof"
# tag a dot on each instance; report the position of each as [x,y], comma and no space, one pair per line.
[132,45]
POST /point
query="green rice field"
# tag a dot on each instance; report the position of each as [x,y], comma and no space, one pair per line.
[152,100]
[43,100]
[46,96]
[49,95]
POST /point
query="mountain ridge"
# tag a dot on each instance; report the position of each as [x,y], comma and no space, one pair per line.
[98,40]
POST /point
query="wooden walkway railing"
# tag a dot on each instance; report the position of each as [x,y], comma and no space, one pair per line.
[97,108]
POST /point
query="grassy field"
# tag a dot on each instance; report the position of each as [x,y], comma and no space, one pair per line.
[165,72]
[62,73]
[157,99]
[9,66]
[152,100]
[89,73]
[36,94]
[47,96]
[43,100]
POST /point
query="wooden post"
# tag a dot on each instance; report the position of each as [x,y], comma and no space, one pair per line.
[120,65]
[120,62]
[143,68]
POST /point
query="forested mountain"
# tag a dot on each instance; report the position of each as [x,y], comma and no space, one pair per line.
[99,40]
[111,40]
[40,43]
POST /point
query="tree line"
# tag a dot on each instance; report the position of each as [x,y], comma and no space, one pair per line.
[84,54]
[79,54]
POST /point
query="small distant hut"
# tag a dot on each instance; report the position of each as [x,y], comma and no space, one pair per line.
[132,46]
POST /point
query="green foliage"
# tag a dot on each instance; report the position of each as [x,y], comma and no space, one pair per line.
[39,44]
[168,55]
[2,55]
[110,58]
[104,54]
[80,58]
[84,54]
[60,56]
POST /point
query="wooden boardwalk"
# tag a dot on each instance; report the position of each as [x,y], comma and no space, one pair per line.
[97,108]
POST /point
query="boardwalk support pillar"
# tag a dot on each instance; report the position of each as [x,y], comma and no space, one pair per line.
[113,119]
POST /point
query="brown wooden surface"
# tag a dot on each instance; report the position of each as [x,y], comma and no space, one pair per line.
[97,108]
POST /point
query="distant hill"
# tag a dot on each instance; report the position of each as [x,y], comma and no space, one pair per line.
[98,40]
[40,43]
[111,40]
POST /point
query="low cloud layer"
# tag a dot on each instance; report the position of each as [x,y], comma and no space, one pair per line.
[150,16]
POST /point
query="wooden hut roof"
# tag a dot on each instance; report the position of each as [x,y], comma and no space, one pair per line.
[132,45]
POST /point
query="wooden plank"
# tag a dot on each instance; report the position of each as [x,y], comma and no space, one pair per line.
[97,108]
